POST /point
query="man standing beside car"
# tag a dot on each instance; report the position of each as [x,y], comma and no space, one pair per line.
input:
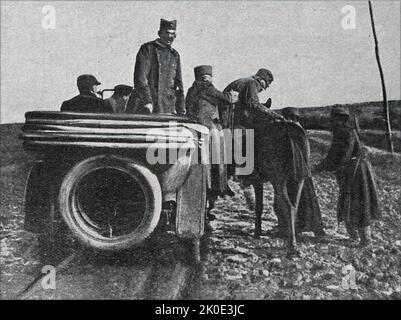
[157,75]
[202,103]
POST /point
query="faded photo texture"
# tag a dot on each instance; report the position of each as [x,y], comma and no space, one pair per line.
[284,188]
[316,58]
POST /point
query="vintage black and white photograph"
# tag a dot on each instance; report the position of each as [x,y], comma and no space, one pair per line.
[200,150]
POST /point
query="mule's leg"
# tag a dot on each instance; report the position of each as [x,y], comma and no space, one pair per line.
[258,186]
[294,211]
[278,210]
[288,210]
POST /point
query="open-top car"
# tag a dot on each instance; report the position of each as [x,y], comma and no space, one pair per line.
[110,180]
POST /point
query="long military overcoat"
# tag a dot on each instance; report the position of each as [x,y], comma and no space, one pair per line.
[158,79]
[202,103]
[358,202]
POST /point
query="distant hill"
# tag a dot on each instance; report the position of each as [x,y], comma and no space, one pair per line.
[369,114]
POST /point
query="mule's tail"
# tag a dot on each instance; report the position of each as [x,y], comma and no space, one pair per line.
[300,152]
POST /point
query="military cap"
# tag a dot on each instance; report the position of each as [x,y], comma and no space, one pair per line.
[265,74]
[87,80]
[168,25]
[339,111]
[123,89]
[202,70]
[290,112]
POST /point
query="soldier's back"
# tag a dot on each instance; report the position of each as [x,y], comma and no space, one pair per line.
[239,85]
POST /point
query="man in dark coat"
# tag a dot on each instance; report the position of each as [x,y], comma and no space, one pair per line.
[87,100]
[309,217]
[358,203]
[118,101]
[203,98]
[157,75]
[249,111]
[202,105]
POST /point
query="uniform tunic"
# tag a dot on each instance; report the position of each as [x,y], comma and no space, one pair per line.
[248,113]
[202,102]
[248,110]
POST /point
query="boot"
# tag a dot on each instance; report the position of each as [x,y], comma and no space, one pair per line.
[366,236]
[250,197]
[320,235]
[353,234]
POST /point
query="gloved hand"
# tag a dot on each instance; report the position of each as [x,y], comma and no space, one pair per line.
[233,96]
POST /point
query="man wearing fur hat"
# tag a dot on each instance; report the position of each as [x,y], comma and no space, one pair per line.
[202,103]
[157,75]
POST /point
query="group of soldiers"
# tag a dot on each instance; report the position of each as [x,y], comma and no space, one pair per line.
[158,89]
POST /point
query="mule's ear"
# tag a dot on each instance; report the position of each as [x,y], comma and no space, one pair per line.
[268,103]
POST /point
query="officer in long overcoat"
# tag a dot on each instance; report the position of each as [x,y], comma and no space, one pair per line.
[202,103]
[358,203]
[87,101]
[158,86]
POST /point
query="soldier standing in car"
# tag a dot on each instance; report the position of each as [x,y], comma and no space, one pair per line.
[157,75]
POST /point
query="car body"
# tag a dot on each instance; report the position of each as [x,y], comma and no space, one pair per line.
[111,179]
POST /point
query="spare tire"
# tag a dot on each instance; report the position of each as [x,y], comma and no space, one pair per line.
[110,203]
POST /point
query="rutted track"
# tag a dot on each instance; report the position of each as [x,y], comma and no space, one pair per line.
[84,275]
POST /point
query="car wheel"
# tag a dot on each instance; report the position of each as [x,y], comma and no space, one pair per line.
[110,203]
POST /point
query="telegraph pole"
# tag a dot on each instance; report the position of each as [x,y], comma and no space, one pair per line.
[385,102]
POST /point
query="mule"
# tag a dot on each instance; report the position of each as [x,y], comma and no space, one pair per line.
[282,158]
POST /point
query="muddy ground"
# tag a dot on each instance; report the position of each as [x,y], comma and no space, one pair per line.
[236,265]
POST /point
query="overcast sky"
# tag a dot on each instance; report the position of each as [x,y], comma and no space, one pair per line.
[314,60]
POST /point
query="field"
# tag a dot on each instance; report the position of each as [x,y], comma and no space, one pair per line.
[370,115]
[236,265]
